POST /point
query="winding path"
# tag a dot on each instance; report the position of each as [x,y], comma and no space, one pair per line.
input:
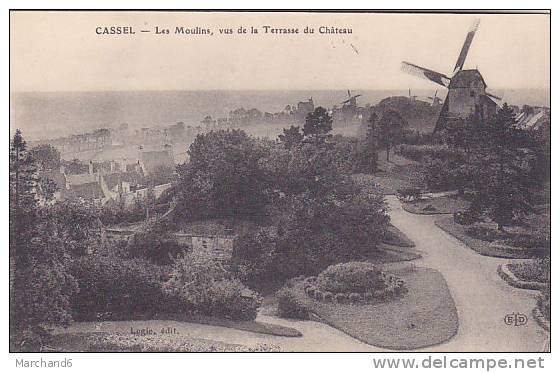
[481,297]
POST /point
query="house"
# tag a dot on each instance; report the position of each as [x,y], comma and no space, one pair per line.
[150,161]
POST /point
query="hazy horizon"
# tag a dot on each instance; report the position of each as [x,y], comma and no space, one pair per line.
[44,115]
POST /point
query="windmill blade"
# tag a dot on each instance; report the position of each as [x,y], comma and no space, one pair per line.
[357,95]
[349,95]
[343,102]
[466,46]
[434,76]
[441,121]
[493,96]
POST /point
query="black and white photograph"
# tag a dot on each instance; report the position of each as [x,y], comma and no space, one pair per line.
[289,181]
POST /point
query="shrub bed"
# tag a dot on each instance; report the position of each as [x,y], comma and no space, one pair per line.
[113,288]
[354,282]
[205,287]
[505,272]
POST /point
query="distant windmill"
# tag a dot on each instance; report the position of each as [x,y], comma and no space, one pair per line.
[351,101]
[467,94]
[435,99]
[410,96]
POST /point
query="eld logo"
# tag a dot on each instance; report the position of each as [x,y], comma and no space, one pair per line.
[515,319]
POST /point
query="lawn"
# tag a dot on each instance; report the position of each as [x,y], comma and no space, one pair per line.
[397,173]
[422,317]
[483,247]
[438,205]
[392,253]
[123,342]
[396,237]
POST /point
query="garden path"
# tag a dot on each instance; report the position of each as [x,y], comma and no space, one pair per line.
[482,298]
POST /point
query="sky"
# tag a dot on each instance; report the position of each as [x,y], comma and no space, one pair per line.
[60,51]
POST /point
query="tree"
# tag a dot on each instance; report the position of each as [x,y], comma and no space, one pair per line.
[76,166]
[391,128]
[47,157]
[40,286]
[317,123]
[223,178]
[502,173]
[370,152]
[291,137]
[23,200]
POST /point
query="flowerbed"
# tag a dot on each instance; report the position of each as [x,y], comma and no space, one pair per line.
[354,283]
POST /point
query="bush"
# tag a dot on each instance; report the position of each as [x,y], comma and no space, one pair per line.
[155,243]
[422,152]
[289,304]
[465,218]
[527,241]
[205,287]
[350,277]
[543,302]
[409,194]
[117,288]
[485,233]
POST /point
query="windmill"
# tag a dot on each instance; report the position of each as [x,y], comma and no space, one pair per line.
[467,94]
[410,96]
[351,101]
[435,99]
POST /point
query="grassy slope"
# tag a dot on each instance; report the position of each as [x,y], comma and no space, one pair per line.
[397,173]
[424,316]
[119,342]
[480,246]
[439,205]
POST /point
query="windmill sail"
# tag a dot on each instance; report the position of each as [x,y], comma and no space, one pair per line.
[440,124]
[434,76]
[466,46]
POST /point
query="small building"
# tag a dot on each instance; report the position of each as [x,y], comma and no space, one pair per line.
[467,97]
[150,161]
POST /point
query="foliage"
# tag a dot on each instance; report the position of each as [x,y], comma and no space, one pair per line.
[502,172]
[357,277]
[465,217]
[207,288]
[254,254]
[423,153]
[74,166]
[543,302]
[75,223]
[535,270]
[40,246]
[366,157]
[317,123]
[118,289]
[223,178]
[115,213]
[291,137]
[46,156]
[409,194]
[154,242]
[160,344]
[391,128]
[289,303]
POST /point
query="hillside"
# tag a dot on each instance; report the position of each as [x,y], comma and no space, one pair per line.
[420,115]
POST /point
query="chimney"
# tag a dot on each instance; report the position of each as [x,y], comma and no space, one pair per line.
[169,149]
[90,167]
